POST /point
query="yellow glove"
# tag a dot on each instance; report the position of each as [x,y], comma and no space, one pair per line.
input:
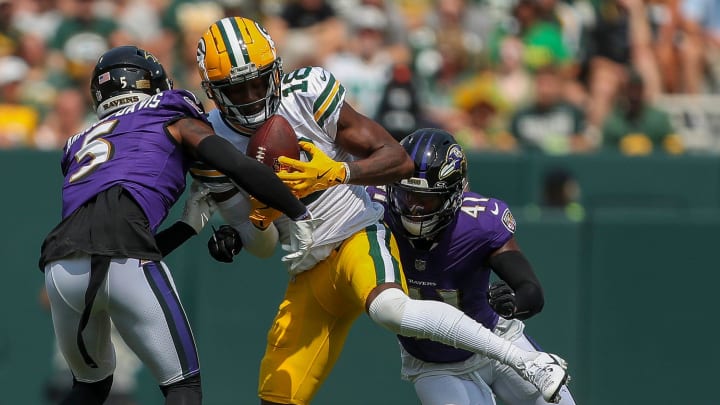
[262,215]
[320,173]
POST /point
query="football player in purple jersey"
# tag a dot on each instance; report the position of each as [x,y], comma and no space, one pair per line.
[450,240]
[104,260]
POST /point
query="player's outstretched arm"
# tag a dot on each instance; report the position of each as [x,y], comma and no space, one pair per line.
[381,158]
[199,208]
[254,177]
[257,179]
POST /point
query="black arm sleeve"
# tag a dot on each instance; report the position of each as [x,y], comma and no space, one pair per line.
[254,177]
[172,237]
[516,271]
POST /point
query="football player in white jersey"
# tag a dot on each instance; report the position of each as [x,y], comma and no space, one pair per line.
[353,265]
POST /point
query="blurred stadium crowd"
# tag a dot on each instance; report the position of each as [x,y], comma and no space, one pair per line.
[552,76]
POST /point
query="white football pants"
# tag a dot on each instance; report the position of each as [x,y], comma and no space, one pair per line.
[141,299]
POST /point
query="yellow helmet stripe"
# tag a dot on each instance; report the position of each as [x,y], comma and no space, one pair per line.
[234,41]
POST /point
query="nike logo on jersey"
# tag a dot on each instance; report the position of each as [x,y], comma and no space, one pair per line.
[321,175]
[496,210]
[322,76]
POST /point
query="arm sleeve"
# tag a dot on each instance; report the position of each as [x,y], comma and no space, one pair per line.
[516,271]
[172,237]
[251,175]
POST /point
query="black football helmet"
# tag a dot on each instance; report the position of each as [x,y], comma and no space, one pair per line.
[125,75]
[427,202]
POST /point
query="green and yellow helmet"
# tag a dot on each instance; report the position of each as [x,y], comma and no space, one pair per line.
[240,70]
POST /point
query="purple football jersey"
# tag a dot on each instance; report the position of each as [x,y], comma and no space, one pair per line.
[132,148]
[455,269]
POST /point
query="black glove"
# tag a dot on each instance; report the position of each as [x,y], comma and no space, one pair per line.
[224,244]
[502,299]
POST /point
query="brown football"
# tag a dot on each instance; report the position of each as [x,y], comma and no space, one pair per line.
[273,139]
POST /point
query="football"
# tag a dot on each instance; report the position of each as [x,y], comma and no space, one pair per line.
[273,139]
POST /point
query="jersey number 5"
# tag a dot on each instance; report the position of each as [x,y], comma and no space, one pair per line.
[99,150]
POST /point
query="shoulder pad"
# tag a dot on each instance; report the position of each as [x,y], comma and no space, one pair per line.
[317,86]
[186,102]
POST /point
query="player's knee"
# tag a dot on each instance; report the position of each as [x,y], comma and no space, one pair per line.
[186,392]
[388,307]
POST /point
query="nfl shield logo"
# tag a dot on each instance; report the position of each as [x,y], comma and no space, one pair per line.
[420,264]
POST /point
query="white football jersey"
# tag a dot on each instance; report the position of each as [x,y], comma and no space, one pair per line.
[311,102]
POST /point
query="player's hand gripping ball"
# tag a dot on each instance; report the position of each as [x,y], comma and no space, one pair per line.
[320,173]
[502,299]
[271,140]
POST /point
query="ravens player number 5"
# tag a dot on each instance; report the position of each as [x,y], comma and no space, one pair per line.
[103,261]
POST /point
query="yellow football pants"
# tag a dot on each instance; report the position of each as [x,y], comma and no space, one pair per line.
[319,307]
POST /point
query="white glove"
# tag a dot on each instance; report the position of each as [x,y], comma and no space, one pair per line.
[301,240]
[199,207]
